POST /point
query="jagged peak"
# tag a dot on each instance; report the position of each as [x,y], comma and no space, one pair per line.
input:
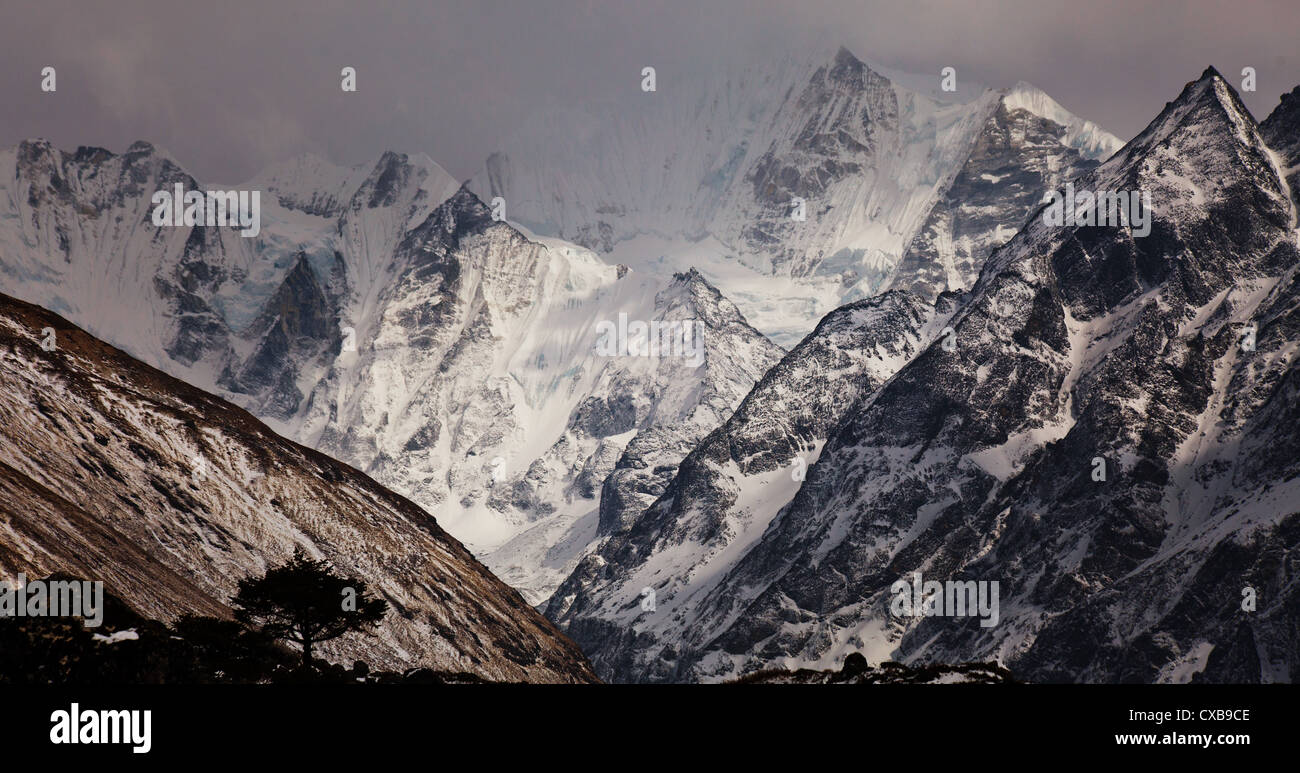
[36,148]
[692,289]
[1282,126]
[1291,96]
[394,171]
[1206,85]
[144,148]
[414,160]
[844,56]
[1085,136]
[465,197]
[1028,96]
[419,162]
[1211,85]
[321,166]
[690,274]
[689,284]
[92,153]
[846,63]
[691,277]
[36,143]
[36,151]
[1215,100]
[462,210]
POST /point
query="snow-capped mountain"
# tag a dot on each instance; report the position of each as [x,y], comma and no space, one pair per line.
[384,316]
[706,171]
[113,471]
[1104,426]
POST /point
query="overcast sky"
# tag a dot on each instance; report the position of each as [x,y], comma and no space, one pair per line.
[230,86]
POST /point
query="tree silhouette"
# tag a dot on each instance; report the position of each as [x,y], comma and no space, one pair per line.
[304,602]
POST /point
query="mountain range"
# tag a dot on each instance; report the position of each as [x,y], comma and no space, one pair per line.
[915,373]
[384,316]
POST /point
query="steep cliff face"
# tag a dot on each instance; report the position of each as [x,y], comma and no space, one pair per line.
[1103,429]
[113,471]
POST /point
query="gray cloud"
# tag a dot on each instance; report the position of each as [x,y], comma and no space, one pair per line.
[231,86]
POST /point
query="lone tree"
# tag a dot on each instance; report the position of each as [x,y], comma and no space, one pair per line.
[304,602]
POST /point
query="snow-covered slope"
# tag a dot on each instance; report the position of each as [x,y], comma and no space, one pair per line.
[113,471]
[1078,348]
